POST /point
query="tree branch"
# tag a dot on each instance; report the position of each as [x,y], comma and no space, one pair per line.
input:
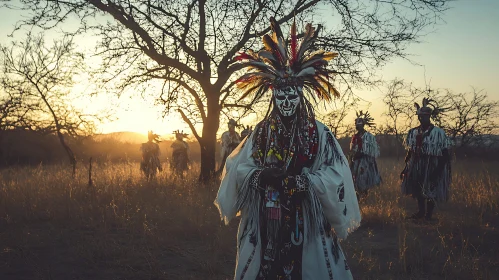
[128,21]
[189,123]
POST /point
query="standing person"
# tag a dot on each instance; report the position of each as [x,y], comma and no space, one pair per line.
[230,140]
[150,163]
[363,153]
[427,172]
[246,131]
[180,154]
[289,179]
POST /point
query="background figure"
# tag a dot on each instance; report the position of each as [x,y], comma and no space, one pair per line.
[427,173]
[150,163]
[246,131]
[230,140]
[363,153]
[180,154]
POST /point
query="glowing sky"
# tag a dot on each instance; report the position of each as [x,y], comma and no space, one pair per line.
[463,52]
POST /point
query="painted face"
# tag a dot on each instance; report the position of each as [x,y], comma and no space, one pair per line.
[424,119]
[359,125]
[287,100]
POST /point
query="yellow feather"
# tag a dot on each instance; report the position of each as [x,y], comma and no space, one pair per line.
[330,55]
[269,43]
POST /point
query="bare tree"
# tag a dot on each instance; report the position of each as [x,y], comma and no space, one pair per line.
[336,119]
[189,45]
[471,117]
[11,110]
[37,80]
[399,99]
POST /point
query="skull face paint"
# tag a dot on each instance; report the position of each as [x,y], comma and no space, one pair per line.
[287,100]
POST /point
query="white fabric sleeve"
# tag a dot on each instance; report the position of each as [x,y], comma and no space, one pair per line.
[237,171]
[333,185]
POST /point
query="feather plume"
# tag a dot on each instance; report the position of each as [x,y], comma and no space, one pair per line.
[365,118]
[294,43]
[430,106]
[278,38]
[272,47]
[273,67]
[243,56]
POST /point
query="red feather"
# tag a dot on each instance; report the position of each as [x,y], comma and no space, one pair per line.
[294,43]
[242,55]
[245,79]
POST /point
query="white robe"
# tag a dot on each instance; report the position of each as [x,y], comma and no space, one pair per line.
[418,180]
[326,179]
[364,169]
[369,145]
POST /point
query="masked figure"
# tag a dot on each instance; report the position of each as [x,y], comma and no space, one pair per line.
[363,153]
[289,179]
[180,154]
[427,173]
[150,163]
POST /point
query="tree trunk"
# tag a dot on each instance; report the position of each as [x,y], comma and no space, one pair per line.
[69,152]
[209,140]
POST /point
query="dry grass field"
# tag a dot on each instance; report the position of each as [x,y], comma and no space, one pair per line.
[56,227]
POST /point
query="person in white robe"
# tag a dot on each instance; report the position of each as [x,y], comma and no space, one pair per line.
[427,172]
[289,180]
[230,140]
[364,150]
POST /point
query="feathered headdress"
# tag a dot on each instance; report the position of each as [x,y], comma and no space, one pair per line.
[365,118]
[430,107]
[246,131]
[281,64]
[153,136]
[180,133]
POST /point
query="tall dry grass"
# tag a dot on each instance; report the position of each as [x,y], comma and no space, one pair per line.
[55,227]
[460,244]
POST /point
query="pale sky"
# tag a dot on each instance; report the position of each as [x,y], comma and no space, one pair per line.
[463,52]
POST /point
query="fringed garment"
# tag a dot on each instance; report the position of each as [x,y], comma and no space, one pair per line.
[363,153]
[425,148]
[150,163]
[290,230]
[180,156]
